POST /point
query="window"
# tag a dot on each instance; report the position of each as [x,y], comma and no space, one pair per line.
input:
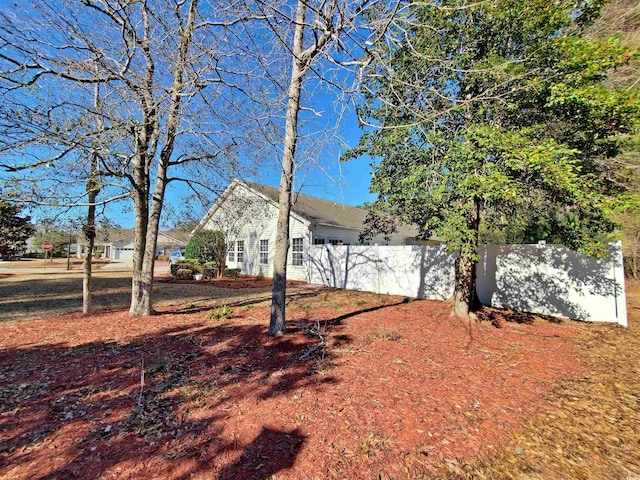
[264,252]
[231,252]
[240,251]
[318,241]
[334,241]
[296,252]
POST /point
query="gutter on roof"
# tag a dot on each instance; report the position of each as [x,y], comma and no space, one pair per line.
[322,224]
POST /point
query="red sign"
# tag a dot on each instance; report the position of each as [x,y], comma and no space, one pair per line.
[47,246]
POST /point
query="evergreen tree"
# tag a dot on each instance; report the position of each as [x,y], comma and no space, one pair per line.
[14,230]
[497,113]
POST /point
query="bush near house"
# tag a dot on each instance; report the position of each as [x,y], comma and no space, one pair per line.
[232,272]
[184,274]
[210,269]
[186,264]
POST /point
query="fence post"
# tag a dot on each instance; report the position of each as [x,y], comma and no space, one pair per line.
[617,264]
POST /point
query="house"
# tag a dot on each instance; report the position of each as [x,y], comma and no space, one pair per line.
[247,214]
[118,243]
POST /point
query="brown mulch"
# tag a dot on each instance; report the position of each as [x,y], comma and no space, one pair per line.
[590,427]
[243,282]
[363,386]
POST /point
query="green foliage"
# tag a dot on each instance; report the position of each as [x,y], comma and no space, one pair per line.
[14,231]
[621,20]
[197,268]
[211,269]
[496,118]
[184,274]
[60,241]
[186,264]
[207,246]
[223,312]
[232,272]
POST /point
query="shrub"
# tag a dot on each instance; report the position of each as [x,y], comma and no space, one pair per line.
[232,272]
[187,264]
[184,274]
[198,269]
[210,269]
[224,311]
[206,246]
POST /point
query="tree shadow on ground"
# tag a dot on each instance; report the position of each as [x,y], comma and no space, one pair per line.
[271,451]
[78,411]
[498,317]
[47,295]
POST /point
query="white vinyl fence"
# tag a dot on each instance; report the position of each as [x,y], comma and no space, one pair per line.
[544,279]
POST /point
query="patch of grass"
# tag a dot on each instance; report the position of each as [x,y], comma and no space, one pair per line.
[246,307]
[360,303]
[224,312]
[382,334]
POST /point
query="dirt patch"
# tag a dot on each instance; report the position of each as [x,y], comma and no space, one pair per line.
[589,428]
[40,295]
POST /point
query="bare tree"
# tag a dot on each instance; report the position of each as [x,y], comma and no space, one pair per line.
[162,72]
[321,45]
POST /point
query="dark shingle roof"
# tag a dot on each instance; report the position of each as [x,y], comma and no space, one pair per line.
[326,212]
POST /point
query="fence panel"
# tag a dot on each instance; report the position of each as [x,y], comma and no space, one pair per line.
[544,279]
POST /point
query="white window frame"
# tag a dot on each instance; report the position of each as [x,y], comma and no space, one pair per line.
[319,241]
[231,252]
[240,251]
[264,252]
[297,252]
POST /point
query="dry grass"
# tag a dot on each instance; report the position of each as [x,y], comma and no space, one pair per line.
[382,334]
[591,429]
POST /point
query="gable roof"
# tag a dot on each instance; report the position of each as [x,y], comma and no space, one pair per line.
[314,210]
[318,210]
[120,235]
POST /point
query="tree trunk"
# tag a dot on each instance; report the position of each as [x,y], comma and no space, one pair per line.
[89,228]
[277,324]
[148,218]
[144,304]
[139,281]
[89,232]
[464,293]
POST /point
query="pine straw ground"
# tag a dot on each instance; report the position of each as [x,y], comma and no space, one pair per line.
[362,387]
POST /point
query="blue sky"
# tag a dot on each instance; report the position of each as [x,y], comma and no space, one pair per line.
[344,182]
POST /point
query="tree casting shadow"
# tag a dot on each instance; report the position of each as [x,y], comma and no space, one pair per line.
[87,401]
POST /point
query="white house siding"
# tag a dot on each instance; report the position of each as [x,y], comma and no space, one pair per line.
[122,250]
[352,237]
[256,219]
[344,235]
